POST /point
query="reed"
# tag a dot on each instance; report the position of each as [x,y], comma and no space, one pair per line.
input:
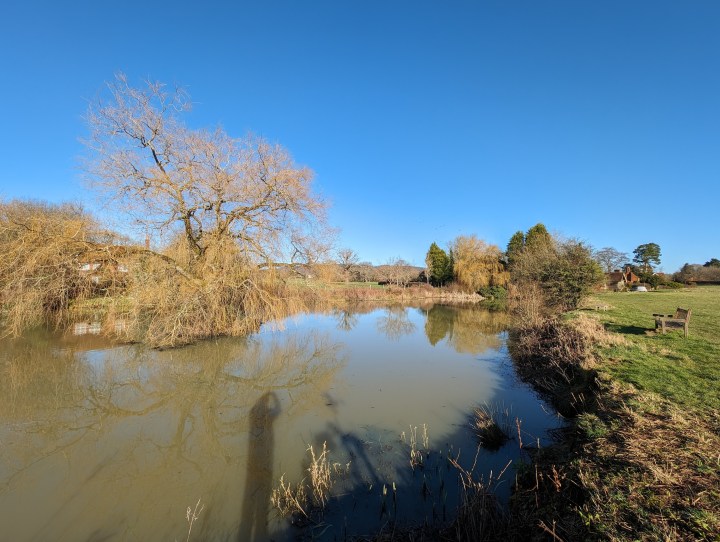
[491,426]
[309,498]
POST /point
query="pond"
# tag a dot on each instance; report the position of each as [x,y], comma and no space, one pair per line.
[115,442]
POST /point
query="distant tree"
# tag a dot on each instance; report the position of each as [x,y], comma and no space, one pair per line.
[477,264]
[438,266]
[714,262]
[364,272]
[400,272]
[514,247]
[347,260]
[610,258]
[651,279]
[698,273]
[646,254]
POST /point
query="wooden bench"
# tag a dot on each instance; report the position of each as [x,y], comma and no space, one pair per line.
[680,319]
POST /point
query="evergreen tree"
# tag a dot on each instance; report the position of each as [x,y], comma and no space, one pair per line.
[647,254]
[538,238]
[438,265]
[514,247]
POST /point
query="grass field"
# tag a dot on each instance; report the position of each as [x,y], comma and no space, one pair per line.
[683,370]
[649,466]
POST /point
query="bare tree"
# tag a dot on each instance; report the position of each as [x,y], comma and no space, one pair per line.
[347,260]
[399,271]
[206,185]
[610,258]
[231,207]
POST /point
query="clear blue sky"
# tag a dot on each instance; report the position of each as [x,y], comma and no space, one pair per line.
[423,120]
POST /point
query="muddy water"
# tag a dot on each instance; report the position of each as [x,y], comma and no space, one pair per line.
[102,442]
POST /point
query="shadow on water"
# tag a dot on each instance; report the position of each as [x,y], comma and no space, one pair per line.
[259,472]
[382,493]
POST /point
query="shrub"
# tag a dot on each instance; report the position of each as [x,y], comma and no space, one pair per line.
[553,278]
[497,293]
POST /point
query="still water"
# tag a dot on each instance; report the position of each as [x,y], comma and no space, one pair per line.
[108,442]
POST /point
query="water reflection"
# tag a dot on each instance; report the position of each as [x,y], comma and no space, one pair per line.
[259,472]
[166,426]
[395,322]
[346,319]
[469,330]
[114,442]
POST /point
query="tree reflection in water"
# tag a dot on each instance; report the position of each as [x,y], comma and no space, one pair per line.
[114,443]
[395,322]
[167,427]
[468,330]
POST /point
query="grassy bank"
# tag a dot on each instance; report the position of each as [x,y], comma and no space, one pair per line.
[641,460]
[684,371]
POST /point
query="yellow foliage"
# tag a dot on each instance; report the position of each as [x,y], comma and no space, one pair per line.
[477,264]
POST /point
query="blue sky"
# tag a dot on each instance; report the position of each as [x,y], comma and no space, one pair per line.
[423,120]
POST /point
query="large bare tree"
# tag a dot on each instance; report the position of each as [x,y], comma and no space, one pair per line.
[204,184]
[230,206]
[610,258]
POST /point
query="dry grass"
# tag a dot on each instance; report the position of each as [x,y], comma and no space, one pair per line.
[192,515]
[556,357]
[656,474]
[480,516]
[289,500]
[491,425]
[417,454]
[309,497]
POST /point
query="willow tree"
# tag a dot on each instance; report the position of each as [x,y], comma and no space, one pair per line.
[42,248]
[477,264]
[231,205]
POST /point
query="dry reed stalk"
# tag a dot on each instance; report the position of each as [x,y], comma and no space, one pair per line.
[192,515]
[288,501]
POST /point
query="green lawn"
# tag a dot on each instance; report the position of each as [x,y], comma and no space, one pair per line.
[685,371]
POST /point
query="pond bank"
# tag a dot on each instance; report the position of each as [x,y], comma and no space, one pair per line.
[631,464]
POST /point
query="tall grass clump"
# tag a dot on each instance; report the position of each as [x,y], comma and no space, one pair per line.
[309,497]
[491,426]
[480,515]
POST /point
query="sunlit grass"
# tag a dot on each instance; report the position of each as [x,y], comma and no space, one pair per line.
[683,370]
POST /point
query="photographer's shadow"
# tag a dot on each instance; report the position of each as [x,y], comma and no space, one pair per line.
[259,473]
